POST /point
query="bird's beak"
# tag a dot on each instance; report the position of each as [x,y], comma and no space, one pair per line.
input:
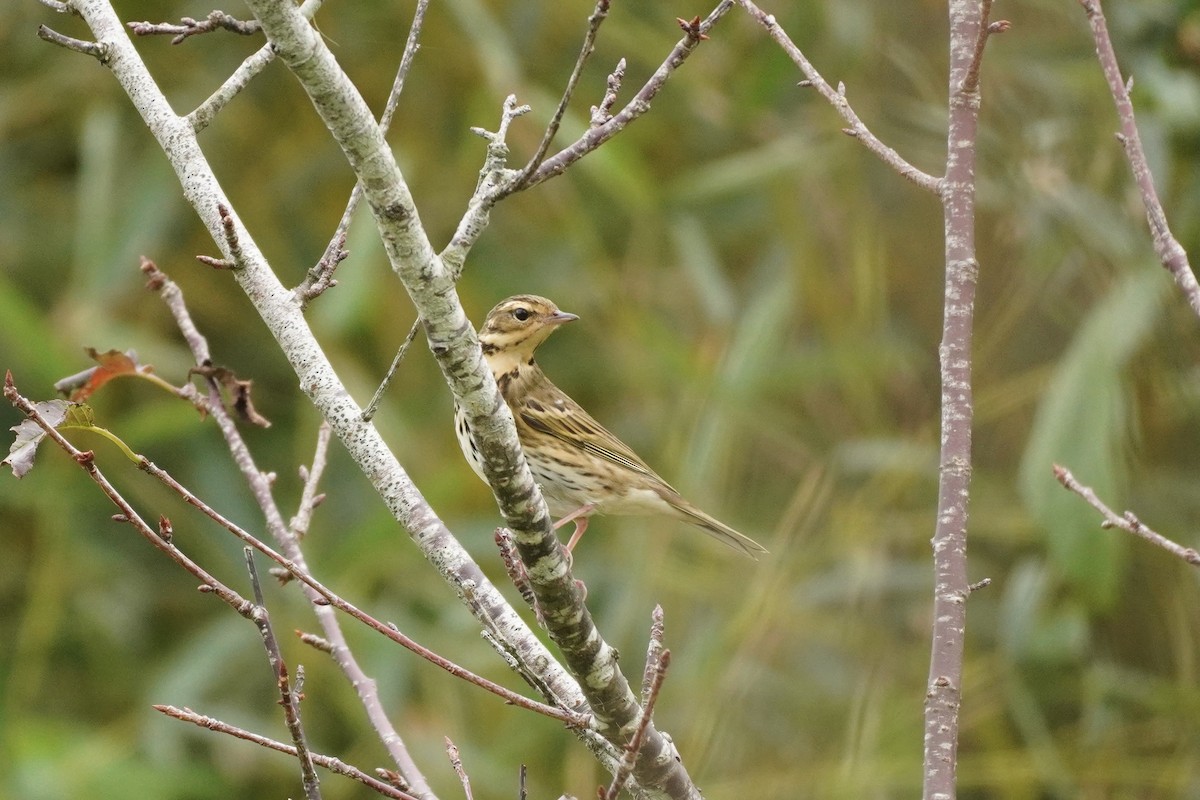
[559,317]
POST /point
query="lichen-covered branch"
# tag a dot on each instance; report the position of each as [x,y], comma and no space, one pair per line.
[281,313]
[431,285]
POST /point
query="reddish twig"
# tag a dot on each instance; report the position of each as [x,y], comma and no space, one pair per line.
[261,487]
[86,460]
[325,762]
[1127,522]
[387,629]
[653,653]
[943,694]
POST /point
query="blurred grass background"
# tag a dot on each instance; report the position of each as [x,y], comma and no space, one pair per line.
[761,309]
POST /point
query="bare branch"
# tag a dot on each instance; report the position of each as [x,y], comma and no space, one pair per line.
[1127,522]
[372,407]
[603,112]
[244,607]
[653,654]
[309,497]
[204,114]
[629,758]
[387,629]
[96,50]
[456,762]
[261,488]
[986,29]
[320,277]
[597,135]
[215,21]
[493,175]
[288,699]
[599,14]
[837,99]
[1170,252]
[282,316]
[951,583]
[325,762]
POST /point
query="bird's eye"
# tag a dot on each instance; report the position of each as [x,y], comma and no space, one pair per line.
[521,314]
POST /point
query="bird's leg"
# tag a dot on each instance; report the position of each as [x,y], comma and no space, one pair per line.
[580,517]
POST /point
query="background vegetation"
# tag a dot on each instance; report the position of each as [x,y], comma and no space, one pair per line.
[760,304]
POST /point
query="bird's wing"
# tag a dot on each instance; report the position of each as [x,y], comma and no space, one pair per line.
[559,416]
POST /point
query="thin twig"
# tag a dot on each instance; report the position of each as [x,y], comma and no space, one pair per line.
[1170,252]
[636,107]
[326,762]
[310,498]
[837,98]
[599,14]
[387,629]
[96,50]
[456,762]
[516,571]
[203,114]
[629,757]
[229,229]
[1127,522]
[970,83]
[288,698]
[215,21]
[87,461]
[261,488]
[603,113]
[161,538]
[373,407]
[320,277]
[653,653]
[951,589]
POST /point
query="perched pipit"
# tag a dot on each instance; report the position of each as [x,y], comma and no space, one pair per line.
[582,468]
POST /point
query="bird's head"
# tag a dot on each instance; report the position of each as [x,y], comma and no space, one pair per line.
[516,326]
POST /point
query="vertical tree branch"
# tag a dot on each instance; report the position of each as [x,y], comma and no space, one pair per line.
[968,35]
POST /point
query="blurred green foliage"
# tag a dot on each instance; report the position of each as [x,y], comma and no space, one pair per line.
[761,309]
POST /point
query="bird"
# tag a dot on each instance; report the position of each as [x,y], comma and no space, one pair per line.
[582,468]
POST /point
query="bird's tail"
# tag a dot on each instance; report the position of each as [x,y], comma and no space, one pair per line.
[716,529]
